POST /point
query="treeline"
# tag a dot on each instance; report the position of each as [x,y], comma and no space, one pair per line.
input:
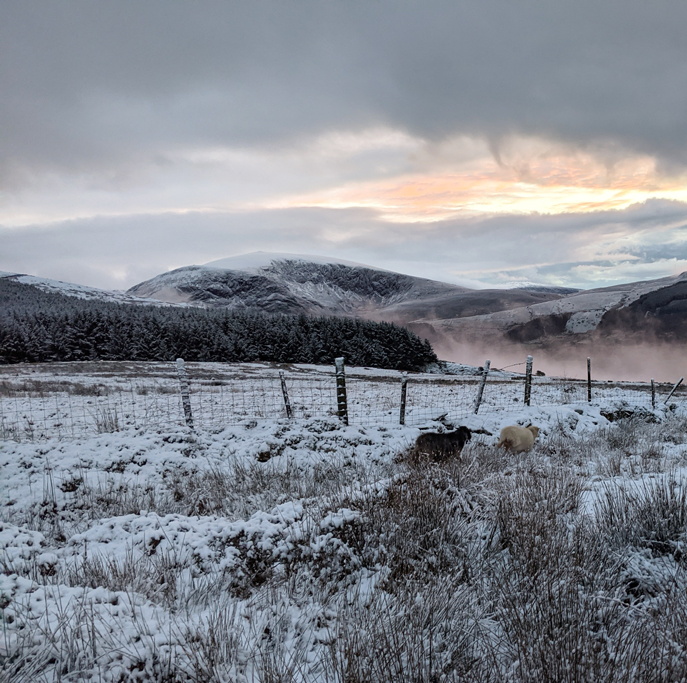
[76,330]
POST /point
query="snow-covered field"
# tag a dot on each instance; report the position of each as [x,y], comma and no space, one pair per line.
[74,400]
[304,550]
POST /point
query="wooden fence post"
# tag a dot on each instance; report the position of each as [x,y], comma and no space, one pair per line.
[653,393]
[674,389]
[185,396]
[404,389]
[341,401]
[480,391]
[589,379]
[528,380]
[285,394]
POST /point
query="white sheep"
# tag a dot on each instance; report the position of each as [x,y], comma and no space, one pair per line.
[518,439]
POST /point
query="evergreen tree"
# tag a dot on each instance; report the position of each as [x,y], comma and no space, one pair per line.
[40,327]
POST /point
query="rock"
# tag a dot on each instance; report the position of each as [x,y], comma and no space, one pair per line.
[624,412]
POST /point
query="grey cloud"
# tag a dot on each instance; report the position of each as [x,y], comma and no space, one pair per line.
[118,252]
[660,252]
[121,251]
[104,85]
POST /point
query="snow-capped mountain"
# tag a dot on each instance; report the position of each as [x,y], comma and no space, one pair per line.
[74,290]
[300,283]
[315,285]
[288,283]
[258,260]
[652,309]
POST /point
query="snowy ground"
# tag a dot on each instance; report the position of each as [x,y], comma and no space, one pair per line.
[304,550]
[75,400]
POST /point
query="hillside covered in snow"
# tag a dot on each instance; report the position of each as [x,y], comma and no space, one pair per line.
[299,283]
[452,317]
[648,311]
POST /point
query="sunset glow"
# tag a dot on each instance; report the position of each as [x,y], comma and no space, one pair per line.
[489,140]
[544,184]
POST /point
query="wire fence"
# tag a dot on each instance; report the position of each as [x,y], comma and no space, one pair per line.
[40,411]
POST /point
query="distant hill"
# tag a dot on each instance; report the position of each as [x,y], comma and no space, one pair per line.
[70,289]
[446,314]
[299,283]
[315,285]
[647,311]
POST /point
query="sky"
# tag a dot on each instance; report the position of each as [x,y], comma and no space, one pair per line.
[473,141]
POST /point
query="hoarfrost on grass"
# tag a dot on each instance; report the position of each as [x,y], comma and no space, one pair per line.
[304,550]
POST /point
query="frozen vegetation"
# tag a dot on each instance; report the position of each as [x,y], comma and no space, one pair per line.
[304,550]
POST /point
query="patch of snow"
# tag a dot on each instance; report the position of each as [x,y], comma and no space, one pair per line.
[258,260]
[217,565]
[584,321]
[78,291]
[595,301]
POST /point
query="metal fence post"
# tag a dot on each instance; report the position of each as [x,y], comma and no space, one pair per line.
[285,393]
[341,401]
[480,391]
[404,390]
[589,379]
[528,380]
[653,393]
[185,396]
[674,389]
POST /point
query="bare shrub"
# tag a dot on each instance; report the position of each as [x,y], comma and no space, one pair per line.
[560,443]
[674,429]
[558,597]
[420,527]
[36,388]
[112,497]
[423,632]
[565,623]
[612,464]
[635,437]
[234,491]
[105,419]
[154,575]
[83,644]
[238,489]
[487,460]
[622,437]
[532,505]
[58,517]
[651,514]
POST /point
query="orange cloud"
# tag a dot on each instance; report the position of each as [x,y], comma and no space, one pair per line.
[544,183]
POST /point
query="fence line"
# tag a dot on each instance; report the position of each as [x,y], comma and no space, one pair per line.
[34,413]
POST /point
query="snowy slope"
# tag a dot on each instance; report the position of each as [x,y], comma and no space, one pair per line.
[290,283]
[159,554]
[303,283]
[576,314]
[536,287]
[258,260]
[74,290]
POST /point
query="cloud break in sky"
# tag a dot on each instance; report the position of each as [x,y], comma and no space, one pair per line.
[475,141]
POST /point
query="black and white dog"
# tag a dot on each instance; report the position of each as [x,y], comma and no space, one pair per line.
[440,447]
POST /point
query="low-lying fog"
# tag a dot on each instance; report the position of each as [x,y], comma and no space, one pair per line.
[638,362]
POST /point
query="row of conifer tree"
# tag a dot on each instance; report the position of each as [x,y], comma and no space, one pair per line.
[42,327]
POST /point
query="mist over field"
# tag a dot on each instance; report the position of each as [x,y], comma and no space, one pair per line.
[632,362]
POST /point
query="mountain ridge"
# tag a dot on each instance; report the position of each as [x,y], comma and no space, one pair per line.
[297,283]
[635,310]
[524,313]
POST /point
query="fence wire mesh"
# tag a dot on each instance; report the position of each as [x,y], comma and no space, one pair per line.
[70,409]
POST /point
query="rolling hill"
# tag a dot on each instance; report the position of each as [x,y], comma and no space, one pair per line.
[314,285]
[647,311]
